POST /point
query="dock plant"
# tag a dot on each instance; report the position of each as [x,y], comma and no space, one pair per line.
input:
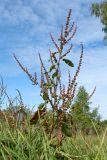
[52,90]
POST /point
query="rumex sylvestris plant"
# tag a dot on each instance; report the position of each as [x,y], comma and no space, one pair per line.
[53,91]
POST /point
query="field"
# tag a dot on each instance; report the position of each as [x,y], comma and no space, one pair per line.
[33,144]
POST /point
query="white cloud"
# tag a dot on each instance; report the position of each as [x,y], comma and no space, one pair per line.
[89,30]
[45,18]
[15,13]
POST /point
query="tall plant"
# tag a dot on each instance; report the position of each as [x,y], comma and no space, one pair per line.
[52,90]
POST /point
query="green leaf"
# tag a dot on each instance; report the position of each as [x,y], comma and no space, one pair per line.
[54,53]
[55,59]
[55,75]
[45,96]
[67,61]
[52,67]
[48,85]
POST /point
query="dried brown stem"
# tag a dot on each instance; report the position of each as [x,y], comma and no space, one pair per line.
[92,93]
[32,78]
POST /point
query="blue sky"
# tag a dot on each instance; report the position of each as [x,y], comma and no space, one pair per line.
[24,30]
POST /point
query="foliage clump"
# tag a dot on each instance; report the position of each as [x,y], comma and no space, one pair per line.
[83,116]
[100,10]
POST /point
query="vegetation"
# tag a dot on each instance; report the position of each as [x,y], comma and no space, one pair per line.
[82,114]
[69,130]
[100,10]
